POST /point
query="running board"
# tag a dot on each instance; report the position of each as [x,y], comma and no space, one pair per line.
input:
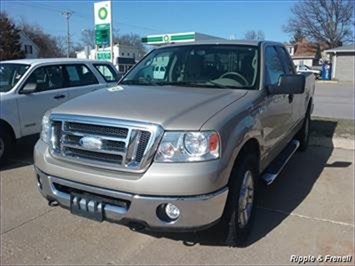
[276,166]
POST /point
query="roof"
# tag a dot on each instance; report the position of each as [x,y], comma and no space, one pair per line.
[219,42]
[342,49]
[37,61]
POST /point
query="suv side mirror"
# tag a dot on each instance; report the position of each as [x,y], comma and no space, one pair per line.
[29,88]
[288,84]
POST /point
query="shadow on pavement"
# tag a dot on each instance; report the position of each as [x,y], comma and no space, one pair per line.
[277,201]
[22,154]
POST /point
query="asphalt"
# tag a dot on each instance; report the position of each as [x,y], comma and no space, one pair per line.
[308,211]
[334,100]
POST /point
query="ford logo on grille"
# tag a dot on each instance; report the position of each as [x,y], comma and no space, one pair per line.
[90,143]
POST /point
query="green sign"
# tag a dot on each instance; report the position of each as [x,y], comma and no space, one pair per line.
[103,55]
[102,34]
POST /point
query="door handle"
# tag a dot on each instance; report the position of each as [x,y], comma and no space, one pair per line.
[57,97]
[290,98]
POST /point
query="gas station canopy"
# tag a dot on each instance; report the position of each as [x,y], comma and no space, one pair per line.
[161,39]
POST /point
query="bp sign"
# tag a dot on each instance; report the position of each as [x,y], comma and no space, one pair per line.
[103,13]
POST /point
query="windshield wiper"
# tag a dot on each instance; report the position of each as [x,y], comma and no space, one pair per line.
[141,82]
[218,85]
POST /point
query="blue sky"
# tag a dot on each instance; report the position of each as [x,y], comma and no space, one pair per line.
[218,18]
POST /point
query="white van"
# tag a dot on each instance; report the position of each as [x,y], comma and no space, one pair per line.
[30,87]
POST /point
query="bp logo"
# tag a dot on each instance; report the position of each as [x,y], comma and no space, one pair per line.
[103,13]
[166,38]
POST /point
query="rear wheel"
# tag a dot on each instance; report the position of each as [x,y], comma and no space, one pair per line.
[240,207]
[303,134]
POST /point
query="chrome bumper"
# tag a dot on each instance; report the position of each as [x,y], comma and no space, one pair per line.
[196,211]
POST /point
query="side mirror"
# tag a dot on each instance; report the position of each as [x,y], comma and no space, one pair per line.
[29,88]
[288,84]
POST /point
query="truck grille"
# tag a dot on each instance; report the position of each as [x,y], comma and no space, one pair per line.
[105,143]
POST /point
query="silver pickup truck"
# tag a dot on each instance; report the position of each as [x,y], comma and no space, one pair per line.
[182,148]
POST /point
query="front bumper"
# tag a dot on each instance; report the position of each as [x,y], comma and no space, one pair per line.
[196,211]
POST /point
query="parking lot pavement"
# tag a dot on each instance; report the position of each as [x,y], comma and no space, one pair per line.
[308,211]
[334,100]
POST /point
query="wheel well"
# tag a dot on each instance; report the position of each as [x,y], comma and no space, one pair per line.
[251,146]
[6,127]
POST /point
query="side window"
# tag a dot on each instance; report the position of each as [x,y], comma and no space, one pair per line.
[107,72]
[273,66]
[47,78]
[55,77]
[79,75]
[287,60]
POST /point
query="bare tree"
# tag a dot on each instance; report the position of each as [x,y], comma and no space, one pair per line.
[254,35]
[323,21]
[88,38]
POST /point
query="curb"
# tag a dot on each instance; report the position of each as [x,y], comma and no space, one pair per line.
[335,143]
[327,81]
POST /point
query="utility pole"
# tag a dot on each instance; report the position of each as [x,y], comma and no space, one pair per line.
[67,14]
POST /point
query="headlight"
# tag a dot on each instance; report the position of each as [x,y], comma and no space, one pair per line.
[45,128]
[188,146]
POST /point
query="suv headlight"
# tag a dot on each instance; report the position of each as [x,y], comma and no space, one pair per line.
[188,146]
[45,128]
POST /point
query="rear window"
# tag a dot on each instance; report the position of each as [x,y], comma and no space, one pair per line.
[107,72]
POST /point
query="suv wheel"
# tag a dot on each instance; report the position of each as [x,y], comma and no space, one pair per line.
[240,207]
[5,144]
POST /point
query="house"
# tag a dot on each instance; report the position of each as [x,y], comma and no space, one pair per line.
[30,49]
[124,56]
[306,53]
[342,59]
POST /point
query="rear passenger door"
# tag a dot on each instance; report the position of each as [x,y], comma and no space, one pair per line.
[80,80]
[50,92]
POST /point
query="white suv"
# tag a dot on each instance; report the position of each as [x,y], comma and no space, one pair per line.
[30,87]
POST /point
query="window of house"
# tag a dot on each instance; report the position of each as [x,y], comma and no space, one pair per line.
[121,68]
[122,54]
[107,72]
[28,49]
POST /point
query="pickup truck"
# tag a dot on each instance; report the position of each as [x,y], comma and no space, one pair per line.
[30,87]
[306,69]
[182,150]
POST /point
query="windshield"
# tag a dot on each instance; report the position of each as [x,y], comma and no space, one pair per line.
[10,74]
[217,66]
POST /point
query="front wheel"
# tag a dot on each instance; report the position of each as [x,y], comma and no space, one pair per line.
[240,207]
[5,144]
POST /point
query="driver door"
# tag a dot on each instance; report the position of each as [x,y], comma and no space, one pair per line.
[49,93]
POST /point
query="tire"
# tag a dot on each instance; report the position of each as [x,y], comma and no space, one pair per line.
[303,135]
[6,142]
[242,191]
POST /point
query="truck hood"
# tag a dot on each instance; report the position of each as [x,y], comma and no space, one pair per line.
[174,108]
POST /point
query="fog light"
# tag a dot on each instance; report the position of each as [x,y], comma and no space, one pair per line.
[172,211]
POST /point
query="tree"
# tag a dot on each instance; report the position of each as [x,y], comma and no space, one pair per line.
[88,38]
[134,40]
[323,21]
[254,35]
[10,46]
[48,45]
[297,37]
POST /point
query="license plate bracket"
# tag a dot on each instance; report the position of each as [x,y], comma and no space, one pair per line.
[87,206]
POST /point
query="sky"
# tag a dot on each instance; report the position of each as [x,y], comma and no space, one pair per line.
[217,18]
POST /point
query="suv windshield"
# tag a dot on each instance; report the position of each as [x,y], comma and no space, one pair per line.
[217,66]
[10,74]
